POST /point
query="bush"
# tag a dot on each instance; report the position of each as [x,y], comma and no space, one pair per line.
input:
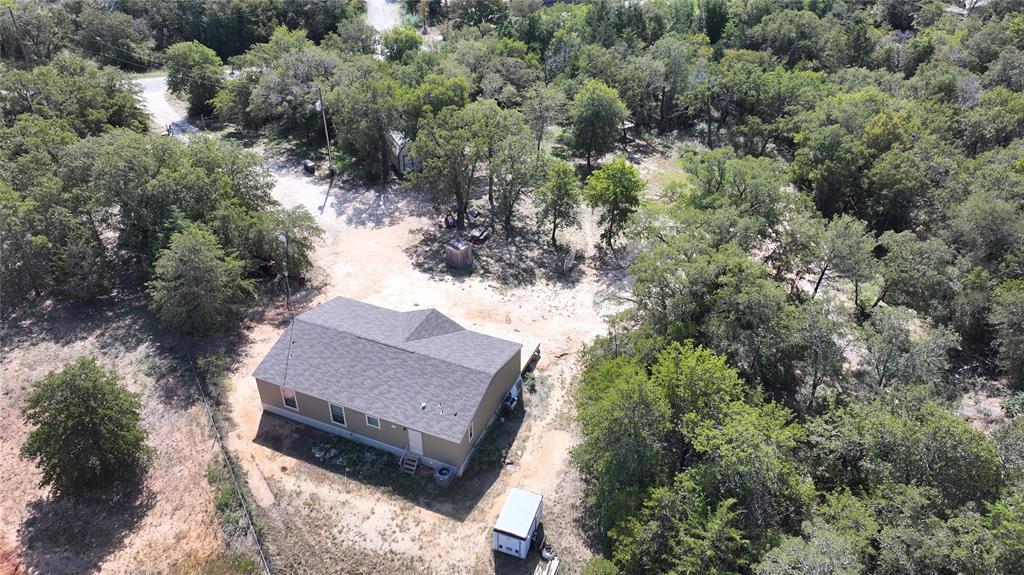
[87,434]
[600,566]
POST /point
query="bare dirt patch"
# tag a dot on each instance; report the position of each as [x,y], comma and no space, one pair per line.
[170,518]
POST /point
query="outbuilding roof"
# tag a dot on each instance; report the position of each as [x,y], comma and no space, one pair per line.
[418,369]
[517,515]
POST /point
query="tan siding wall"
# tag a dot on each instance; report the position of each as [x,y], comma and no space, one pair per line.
[442,450]
[391,433]
[500,384]
[318,409]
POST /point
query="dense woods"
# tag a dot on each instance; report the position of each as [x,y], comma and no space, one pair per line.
[842,262]
[89,201]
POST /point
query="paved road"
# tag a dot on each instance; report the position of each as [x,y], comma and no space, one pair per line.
[166,117]
[383,14]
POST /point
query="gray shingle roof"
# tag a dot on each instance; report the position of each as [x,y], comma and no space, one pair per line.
[388,363]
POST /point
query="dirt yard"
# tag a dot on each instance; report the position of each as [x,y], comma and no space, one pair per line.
[384,246]
[170,526]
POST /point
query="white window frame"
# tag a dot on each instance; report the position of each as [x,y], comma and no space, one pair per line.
[295,396]
[344,416]
[368,424]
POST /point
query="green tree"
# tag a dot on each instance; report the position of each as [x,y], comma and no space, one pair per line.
[369,104]
[1005,520]
[197,288]
[495,129]
[477,12]
[824,552]
[90,99]
[596,113]
[616,189]
[902,348]
[518,170]
[445,146]
[558,200]
[543,106]
[749,456]
[1007,316]
[898,438]
[623,445]
[916,273]
[88,434]
[195,73]
[400,44]
[845,250]
[698,383]
[678,531]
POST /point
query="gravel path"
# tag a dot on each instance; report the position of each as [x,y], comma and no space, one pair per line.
[167,117]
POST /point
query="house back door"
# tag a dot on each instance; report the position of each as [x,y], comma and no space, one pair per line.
[415,442]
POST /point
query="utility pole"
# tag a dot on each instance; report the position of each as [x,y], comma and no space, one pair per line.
[322,108]
[281,237]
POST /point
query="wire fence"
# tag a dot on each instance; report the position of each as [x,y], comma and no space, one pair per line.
[239,492]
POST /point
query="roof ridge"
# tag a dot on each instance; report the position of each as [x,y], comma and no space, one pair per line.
[393,346]
[431,318]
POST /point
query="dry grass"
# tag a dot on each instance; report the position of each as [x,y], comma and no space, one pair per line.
[170,518]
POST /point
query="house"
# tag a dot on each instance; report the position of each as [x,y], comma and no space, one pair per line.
[415,383]
[517,523]
[401,154]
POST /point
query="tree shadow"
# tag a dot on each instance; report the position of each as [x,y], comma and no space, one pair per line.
[117,324]
[518,259]
[380,469]
[63,536]
[377,205]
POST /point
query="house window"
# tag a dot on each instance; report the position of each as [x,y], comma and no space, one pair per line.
[289,398]
[338,414]
[471,430]
[373,421]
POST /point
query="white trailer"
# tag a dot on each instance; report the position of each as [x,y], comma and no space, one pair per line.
[517,522]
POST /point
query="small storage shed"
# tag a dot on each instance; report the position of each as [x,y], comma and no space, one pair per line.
[517,522]
[458,254]
[401,154]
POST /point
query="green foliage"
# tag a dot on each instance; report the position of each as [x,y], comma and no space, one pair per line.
[477,12]
[596,114]
[624,430]
[443,144]
[901,348]
[370,107]
[823,551]
[400,44]
[865,446]
[198,288]
[678,532]
[543,107]
[600,566]
[194,72]
[90,99]
[1005,520]
[1007,316]
[87,434]
[558,200]
[616,189]
[518,170]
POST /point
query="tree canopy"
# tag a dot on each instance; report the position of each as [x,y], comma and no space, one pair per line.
[87,434]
